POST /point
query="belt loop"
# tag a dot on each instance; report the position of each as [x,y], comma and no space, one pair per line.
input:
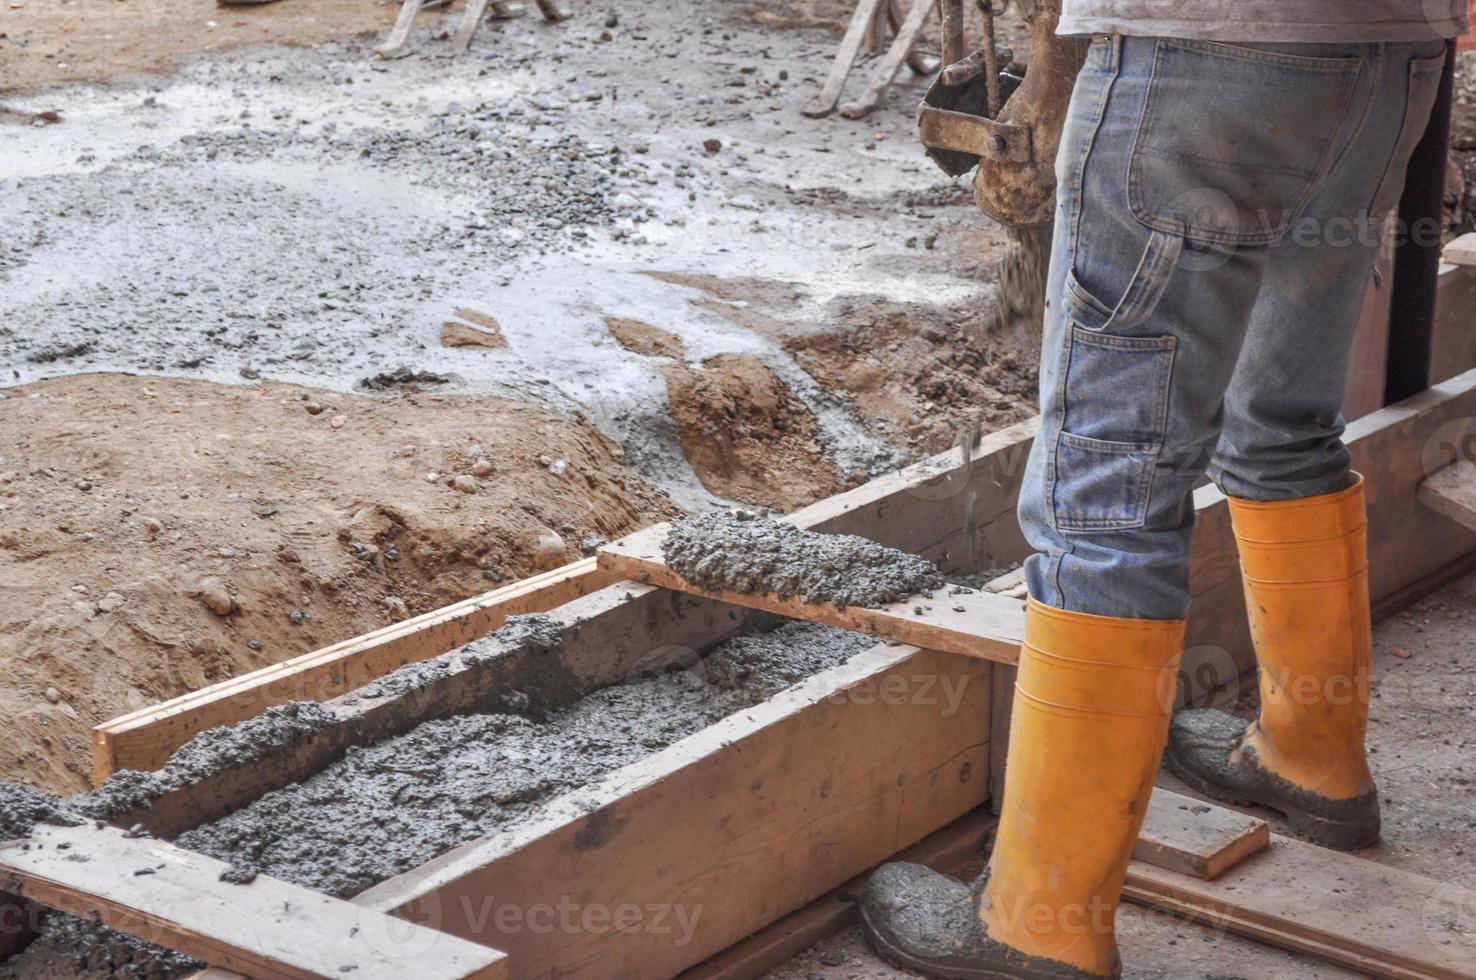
[1116,51]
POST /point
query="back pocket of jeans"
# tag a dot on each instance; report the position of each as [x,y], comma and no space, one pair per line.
[1232,138]
[1423,86]
[1115,410]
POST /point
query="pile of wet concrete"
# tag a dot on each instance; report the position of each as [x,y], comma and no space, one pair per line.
[389,807]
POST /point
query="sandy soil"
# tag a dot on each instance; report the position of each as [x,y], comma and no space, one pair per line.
[157,537]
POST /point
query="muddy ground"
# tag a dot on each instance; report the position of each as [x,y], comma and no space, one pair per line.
[616,261]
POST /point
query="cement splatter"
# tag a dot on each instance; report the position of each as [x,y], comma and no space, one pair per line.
[21,808]
[743,553]
[390,807]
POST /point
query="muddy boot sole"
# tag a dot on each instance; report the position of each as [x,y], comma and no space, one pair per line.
[1199,752]
[919,920]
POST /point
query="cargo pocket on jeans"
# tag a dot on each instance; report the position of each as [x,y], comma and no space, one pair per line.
[1115,395]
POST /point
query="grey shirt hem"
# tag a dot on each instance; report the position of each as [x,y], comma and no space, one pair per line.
[1232,31]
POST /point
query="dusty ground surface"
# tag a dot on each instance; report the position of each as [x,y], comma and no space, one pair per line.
[158,537]
[1422,727]
[225,219]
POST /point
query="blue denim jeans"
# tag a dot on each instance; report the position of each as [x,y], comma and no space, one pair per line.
[1218,215]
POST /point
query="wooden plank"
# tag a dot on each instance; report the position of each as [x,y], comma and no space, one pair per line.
[946,851]
[850,46]
[1331,905]
[732,827]
[1452,492]
[606,637]
[956,508]
[268,929]
[978,624]
[400,33]
[1195,838]
[889,63]
[145,739]
[471,19]
[1452,341]
[1460,251]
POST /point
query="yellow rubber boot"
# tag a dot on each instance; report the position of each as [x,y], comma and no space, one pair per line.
[1304,564]
[1091,711]
[1092,704]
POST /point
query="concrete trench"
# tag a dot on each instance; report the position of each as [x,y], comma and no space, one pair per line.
[388,807]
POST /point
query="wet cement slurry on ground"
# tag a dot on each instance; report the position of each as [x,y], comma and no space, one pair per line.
[748,554]
[390,807]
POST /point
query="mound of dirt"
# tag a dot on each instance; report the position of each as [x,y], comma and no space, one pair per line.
[159,535]
[917,375]
[747,435]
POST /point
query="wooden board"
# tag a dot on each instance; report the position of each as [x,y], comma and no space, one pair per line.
[145,739]
[1195,838]
[732,827]
[268,929]
[956,508]
[978,624]
[955,850]
[1460,251]
[946,851]
[850,46]
[1452,492]
[1331,905]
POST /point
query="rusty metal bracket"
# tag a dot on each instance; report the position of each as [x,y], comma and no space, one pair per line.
[963,132]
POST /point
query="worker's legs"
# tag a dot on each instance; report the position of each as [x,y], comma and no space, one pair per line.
[1182,167]
[1298,517]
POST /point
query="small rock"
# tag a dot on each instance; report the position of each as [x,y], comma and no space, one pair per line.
[833,957]
[314,408]
[465,483]
[110,602]
[84,485]
[253,645]
[612,19]
[712,145]
[558,466]
[153,525]
[215,597]
[337,421]
[482,468]
[456,334]
[298,617]
[53,695]
[544,547]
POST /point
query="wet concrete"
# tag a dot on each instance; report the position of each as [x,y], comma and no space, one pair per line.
[743,553]
[21,808]
[79,949]
[275,729]
[390,807]
[393,806]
